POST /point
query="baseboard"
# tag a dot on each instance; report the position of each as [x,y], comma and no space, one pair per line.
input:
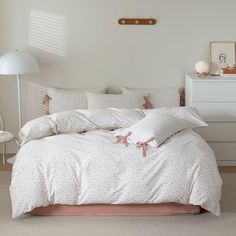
[227,169]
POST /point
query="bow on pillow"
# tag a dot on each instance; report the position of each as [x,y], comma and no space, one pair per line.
[123,139]
[158,126]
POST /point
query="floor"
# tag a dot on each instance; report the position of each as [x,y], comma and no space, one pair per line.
[6,167]
[205,224]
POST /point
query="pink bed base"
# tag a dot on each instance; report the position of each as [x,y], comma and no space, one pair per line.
[165,209]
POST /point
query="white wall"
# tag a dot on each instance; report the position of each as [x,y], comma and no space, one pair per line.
[80,44]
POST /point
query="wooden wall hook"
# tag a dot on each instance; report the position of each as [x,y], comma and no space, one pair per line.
[137,21]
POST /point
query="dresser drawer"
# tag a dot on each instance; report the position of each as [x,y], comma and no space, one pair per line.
[224,151]
[214,91]
[218,132]
[215,99]
[216,111]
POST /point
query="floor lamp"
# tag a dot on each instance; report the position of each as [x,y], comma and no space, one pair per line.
[4,145]
[18,63]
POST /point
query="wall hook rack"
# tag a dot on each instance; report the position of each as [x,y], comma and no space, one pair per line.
[137,21]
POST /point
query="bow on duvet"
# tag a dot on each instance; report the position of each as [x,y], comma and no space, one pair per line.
[73,158]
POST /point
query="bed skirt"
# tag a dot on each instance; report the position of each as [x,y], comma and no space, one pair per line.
[164,209]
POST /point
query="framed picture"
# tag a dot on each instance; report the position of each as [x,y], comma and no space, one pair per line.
[221,55]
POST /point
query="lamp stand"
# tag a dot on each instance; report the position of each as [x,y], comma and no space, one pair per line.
[11,160]
[4,145]
[19,101]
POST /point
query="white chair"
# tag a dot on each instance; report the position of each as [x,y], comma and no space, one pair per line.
[5,137]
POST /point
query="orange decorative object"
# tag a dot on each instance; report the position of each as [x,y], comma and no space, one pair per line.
[137,21]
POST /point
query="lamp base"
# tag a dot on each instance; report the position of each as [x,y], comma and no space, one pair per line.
[202,75]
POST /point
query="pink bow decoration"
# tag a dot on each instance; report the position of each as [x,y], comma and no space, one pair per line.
[46,99]
[147,104]
[123,139]
[144,146]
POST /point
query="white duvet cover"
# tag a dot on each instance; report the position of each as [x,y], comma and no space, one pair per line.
[90,168]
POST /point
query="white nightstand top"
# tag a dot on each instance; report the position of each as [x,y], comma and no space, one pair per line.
[6,136]
[208,78]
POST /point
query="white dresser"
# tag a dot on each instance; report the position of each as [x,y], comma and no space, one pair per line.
[215,99]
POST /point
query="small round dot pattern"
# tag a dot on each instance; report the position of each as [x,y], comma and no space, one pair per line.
[90,168]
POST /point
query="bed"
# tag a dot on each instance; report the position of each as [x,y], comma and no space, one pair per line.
[72,163]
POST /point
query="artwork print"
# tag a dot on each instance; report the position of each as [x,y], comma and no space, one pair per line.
[222,54]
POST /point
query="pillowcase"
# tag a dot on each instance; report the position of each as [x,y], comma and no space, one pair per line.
[165,97]
[113,118]
[189,114]
[156,128]
[122,101]
[36,129]
[68,99]
[77,121]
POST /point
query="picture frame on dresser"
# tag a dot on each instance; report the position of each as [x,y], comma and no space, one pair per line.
[222,54]
[215,99]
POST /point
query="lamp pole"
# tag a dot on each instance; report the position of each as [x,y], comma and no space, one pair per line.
[19,101]
[4,145]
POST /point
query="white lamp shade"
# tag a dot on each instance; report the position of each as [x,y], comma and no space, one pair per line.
[202,67]
[18,63]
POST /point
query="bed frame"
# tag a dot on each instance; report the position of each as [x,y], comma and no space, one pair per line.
[164,209]
[182,97]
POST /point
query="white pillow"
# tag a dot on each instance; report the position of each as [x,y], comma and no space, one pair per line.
[157,127]
[113,118]
[153,129]
[37,128]
[122,101]
[189,114]
[77,121]
[69,99]
[165,97]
